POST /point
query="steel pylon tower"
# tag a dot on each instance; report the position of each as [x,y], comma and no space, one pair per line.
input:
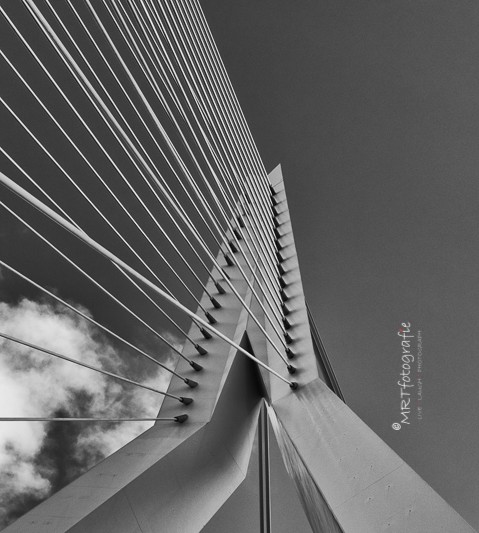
[258,347]
[175,478]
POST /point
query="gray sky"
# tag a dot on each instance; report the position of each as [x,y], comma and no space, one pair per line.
[372,108]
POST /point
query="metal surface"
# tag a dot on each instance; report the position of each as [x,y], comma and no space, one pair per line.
[80,363]
[89,419]
[175,479]
[22,193]
[264,472]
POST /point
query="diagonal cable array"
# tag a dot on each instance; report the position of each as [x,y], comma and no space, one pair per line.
[151,141]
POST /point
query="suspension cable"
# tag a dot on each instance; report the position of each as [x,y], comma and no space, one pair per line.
[290,368]
[109,255]
[258,255]
[180,419]
[94,137]
[158,335]
[85,365]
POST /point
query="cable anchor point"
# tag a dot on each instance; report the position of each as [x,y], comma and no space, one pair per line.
[181,418]
[200,349]
[196,366]
[186,401]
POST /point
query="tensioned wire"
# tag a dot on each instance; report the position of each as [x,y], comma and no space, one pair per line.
[260,255]
[108,114]
[30,179]
[223,76]
[250,266]
[171,320]
[40,206]
[164,294]
[162,131]
[204,82]
[148,130]
[107,93]
[74,309]
[229,132]
[93,136]
[233,163]
[99,144]
[164,77]
[147,73]
[98,211]
[267,314]
[42,22]
[197,96]
[142,26]
[85,365]
[96,283]
[267,299]
[232,181]
[35,183]
[228,107]
[173,270]
[192,40]
[262,210]
[140,117]
[233,104]
[179,418]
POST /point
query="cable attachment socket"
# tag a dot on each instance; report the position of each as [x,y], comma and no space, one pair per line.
[228,260]
[290,353]
[196,366]
[237,233]
[232,246]
[293,385]
[181,418]
[206,334]
[186,401]
[291,369]
[211,319]
[200,349]
[192,384]
[215,302]
[219,288]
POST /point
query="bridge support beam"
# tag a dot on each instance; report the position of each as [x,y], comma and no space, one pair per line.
[175,478]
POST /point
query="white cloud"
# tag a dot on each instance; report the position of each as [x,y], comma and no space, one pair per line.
[33,384]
